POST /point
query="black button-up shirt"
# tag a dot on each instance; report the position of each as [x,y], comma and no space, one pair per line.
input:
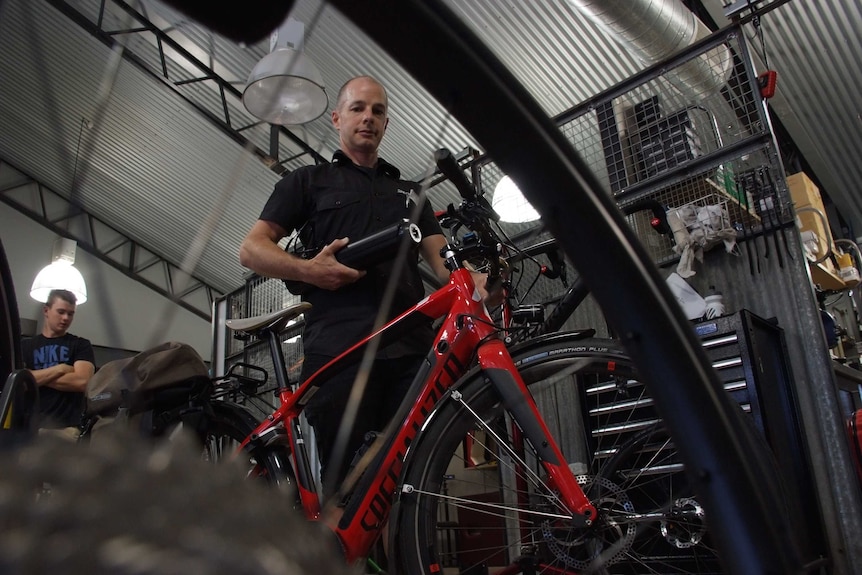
[331,201]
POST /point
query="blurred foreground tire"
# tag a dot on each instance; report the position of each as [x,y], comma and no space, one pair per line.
[122,505]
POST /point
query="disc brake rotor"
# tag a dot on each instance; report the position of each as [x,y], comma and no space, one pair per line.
[685,525]
[606,541]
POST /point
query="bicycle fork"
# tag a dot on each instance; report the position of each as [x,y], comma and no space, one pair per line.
[498,368]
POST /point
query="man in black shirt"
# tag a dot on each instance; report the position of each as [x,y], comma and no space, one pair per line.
[61,363]
[352,197]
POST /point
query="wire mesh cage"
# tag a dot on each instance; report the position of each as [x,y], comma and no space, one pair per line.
[688,129]
[683,131]
[663,119]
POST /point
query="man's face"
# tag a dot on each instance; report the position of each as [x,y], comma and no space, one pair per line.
[362,117]
[59,316]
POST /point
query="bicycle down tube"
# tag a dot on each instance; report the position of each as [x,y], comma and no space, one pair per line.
[466,329]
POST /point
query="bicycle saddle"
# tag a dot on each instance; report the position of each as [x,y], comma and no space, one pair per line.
[277,318]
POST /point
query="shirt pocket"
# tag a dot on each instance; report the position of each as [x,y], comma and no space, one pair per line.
[338,214]
[335,199]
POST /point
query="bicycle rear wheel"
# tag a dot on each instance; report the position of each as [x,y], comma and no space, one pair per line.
[475,505]
[221,427]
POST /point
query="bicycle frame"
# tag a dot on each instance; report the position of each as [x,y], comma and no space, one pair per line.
[467,331]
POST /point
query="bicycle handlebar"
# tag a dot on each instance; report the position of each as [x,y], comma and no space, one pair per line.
[448,166]
[475,213]
[659,213]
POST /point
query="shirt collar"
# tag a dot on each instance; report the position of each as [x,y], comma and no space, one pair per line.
[339,158]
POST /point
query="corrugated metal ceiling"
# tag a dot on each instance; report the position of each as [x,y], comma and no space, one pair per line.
[154,166]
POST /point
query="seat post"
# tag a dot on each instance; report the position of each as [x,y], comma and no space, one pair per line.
[280,370]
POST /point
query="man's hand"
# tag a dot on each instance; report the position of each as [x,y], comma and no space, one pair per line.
[492,294]
[326,272]
[260,252]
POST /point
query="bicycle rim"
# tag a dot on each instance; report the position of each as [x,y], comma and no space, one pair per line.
[472,505]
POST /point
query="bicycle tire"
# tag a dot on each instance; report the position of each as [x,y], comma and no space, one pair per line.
[450,61]
[221,428]
[618,422]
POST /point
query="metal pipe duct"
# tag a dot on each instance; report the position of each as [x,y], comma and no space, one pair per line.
[657,29]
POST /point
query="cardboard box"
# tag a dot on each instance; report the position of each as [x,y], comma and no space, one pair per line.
[803,192]
[806,199]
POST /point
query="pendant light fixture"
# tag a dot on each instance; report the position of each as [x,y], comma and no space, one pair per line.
[285,87]
[60,273]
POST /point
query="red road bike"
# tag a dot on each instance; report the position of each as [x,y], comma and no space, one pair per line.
[480,443]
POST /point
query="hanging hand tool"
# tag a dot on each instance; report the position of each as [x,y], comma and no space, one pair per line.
[743,184]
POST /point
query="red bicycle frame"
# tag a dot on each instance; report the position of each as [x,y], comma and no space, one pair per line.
[467,331]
